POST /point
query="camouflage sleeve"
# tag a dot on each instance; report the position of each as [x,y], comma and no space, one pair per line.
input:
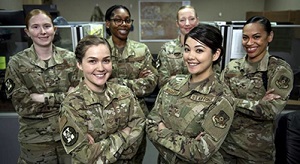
[20,94]
[143,86]
[162,68]
[137,125]
[282,81]
[74,139]
[186,148]
[54,99]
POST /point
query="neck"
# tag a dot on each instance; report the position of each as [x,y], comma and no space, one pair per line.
[44,53]
[181,38]
[119,42]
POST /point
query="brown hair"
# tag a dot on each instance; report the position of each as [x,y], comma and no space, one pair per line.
[36,12]
[184,7]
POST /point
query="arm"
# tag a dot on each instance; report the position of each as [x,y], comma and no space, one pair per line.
[281,80]
[107,150]
[192,150]
[20,94]
[143,86]
[164,74]
[137,124]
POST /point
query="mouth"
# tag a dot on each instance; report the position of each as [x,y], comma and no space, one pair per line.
[100,75]
[192,64]
[251,49]
[123,31]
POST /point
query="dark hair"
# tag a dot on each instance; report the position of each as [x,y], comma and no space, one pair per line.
[261,20]
[86,42]
[110,13]
[185,7]
[209,35]
[36,12]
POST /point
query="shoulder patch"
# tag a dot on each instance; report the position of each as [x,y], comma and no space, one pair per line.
[220,119]
[69,136]
[282,82]
[9,85]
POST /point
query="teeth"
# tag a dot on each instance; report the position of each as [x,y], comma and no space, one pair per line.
[123,31]
[101,75]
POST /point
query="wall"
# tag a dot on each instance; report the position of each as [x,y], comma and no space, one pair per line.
[207,11]
[276,5]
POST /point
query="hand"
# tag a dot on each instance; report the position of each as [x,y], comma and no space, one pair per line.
[144,73]
[90,139]
[161,126]
[70,89]
[37,97]
[201,134]
[127,130]
[270,95]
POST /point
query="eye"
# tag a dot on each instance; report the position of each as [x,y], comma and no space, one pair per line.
[128,21]
[199,51]
[107,61]
[118,20]
[186,49]
[182,20]
[192,19]
[256,37]
[92,61]
[245,38]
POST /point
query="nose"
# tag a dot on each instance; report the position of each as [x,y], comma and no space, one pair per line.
[43,31]
[187,22]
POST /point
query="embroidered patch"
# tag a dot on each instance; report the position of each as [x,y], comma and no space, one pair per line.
[9,85]
[69,136]
[220,119]
[282,82]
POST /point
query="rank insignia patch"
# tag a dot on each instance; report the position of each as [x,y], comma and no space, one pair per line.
[9,85]
[220,119]
[282,82]
[69,136]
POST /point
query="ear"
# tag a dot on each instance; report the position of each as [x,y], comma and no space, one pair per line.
[79,65]
[270,37]
[55,28]
[107,24]
[177,24]
[27,32]
[217,54]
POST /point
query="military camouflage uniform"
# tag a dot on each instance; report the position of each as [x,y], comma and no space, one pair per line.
[251,136]
[103,116]
[170,61]
[186,111]
[127,66]
[26,74]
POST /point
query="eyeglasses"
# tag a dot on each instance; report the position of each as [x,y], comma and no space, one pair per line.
[120,21]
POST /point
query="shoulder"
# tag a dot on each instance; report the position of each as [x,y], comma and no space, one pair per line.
[177,81]
[275,61]
[66,53]
[119,91]
[136,44]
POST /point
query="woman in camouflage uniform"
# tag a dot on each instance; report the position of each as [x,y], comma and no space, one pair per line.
[169,59]
[193,113]
[37,80]
[261,85]
[132,61]
[101,122]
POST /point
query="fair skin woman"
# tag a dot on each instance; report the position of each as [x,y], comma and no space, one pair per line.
[199,60]
[41,31]
[96,66]
[186,20]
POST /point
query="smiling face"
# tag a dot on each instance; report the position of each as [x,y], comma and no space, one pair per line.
[119,31]
[255,41]
[199,59]
[96,66]
[186,20]
[41,30]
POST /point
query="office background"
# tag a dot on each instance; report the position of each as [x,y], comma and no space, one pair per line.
[212,10]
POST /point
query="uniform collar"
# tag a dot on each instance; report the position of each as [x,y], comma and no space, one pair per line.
[261,66]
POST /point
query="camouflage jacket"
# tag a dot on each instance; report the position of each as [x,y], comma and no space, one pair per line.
[170,61]
[127,66]
[27,74]
[206,109]
[103,116]
[251,135]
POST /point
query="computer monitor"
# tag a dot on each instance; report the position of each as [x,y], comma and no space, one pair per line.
[12,17]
